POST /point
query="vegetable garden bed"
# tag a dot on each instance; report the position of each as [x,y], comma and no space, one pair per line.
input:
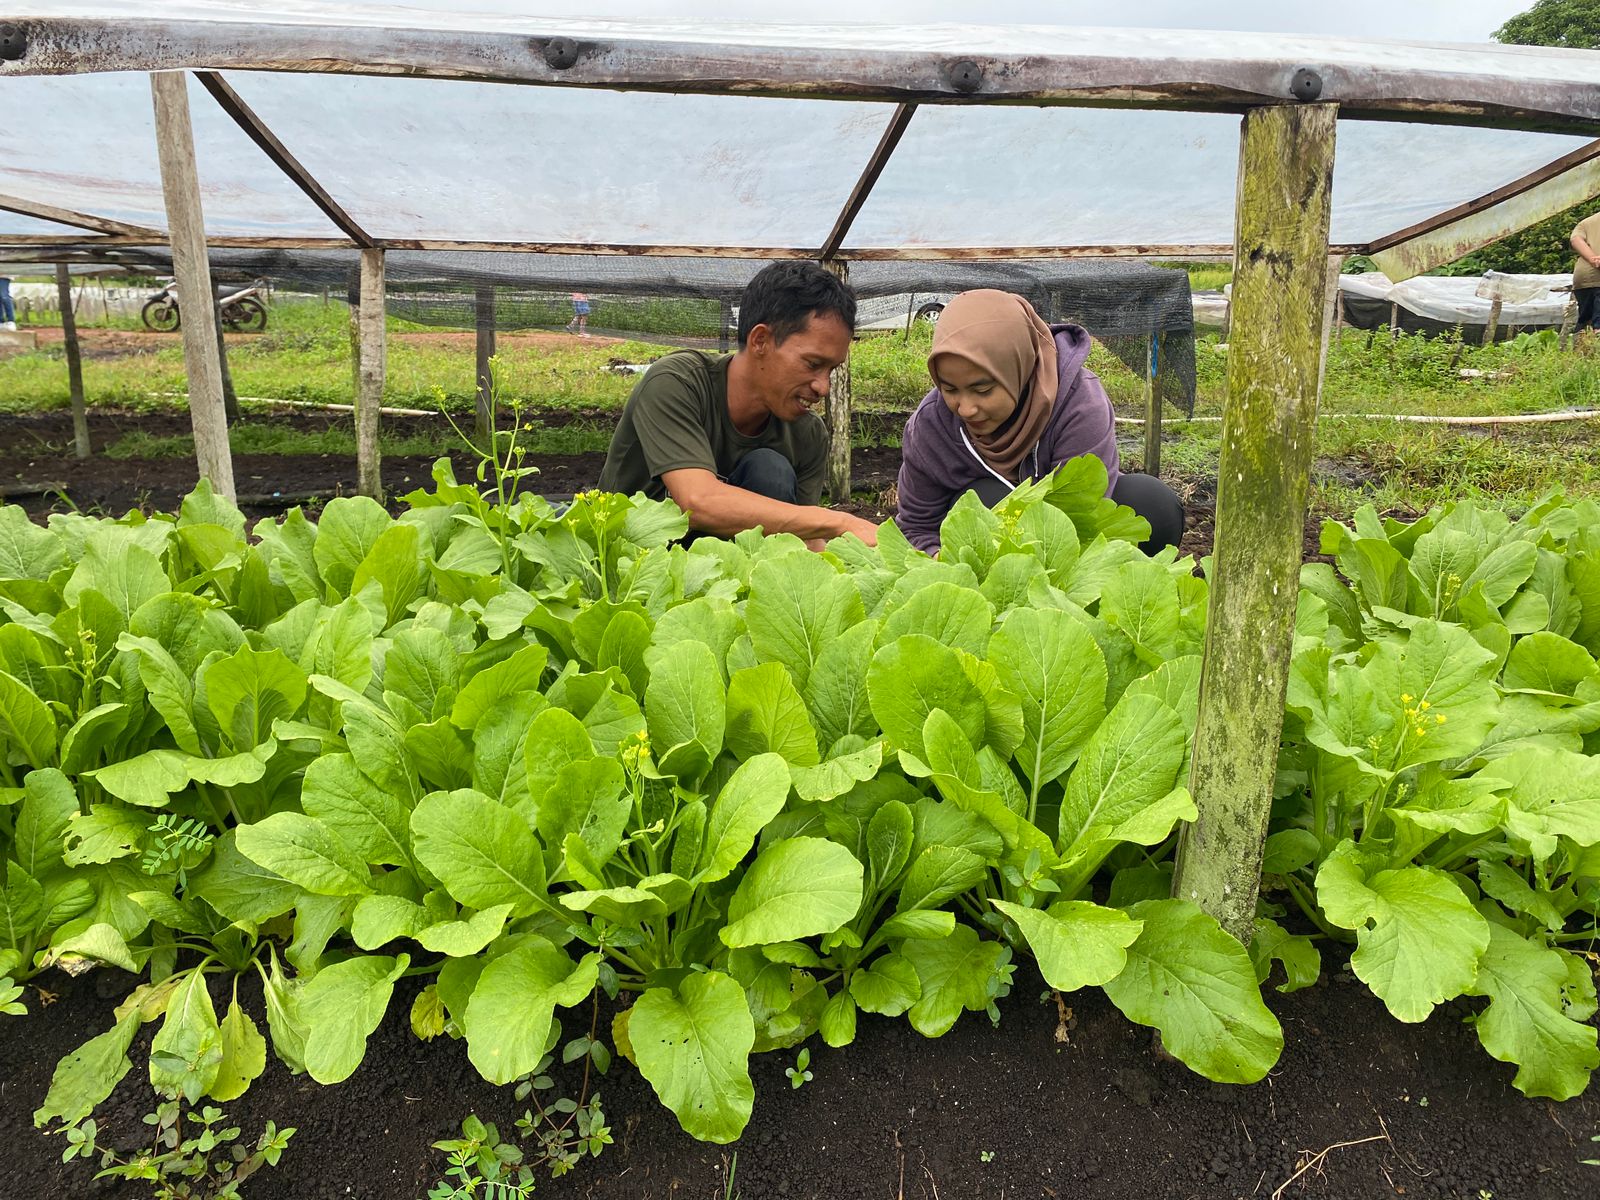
[554,785]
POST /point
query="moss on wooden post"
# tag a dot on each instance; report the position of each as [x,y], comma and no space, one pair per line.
[1279,311]
[838,414]
[370,370]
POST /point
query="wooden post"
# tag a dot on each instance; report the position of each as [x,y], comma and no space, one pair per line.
[484,428]
[1569,321]
[838,412]
[370,368]
[1152,407]
[1394,320]
[230,398]
[728,329]
[180,186]
[1493,325]
[1280,282]
[69,334]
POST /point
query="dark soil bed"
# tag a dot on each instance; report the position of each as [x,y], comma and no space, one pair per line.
[1399,1110]
[39,472]
[1360,1106]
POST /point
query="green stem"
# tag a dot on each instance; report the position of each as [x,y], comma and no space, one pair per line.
[1452,855]
[1590,934]
[1303,900]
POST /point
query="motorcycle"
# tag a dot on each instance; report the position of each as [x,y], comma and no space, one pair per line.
[242,310]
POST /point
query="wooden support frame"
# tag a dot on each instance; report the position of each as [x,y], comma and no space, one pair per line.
[69,337]
[180,186]
[1512,87]
[67,216]
[858,195]
[1280,317]
[371,369]
[256,129]
[838,414]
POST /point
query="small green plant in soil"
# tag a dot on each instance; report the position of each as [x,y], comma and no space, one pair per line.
[210,1164]
[798,1074]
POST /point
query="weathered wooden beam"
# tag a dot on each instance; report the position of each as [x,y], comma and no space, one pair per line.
[484,312]
[1446,236]
[1490,85]
[1492,326]
[636,250]
[869,176]
[69,336]
[180,186]
[67,216]
[256,129]
[372,362]
[1280,310]
[838,414]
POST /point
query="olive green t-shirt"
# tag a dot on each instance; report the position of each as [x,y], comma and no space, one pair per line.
[677,417]
[1583,275]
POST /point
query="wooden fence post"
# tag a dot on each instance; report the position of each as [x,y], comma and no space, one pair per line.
[1492,326]
[838,412]
[69,334]
[1280,318]
[370,370]
[484,310]
[180,187]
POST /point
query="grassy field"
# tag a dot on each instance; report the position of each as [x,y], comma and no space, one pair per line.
[305,355]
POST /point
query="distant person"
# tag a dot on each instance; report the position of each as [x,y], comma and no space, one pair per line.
[8,312]
[732,439]
[580,314]
[1586,271]
[1012,401]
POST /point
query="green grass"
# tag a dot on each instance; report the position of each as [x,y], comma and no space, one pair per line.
[305,355]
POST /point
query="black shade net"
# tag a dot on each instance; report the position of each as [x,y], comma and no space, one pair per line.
[1140,312]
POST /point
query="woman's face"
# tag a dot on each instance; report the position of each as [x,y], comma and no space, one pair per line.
[972,394]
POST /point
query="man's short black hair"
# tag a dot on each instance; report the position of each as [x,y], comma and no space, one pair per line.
[784,295]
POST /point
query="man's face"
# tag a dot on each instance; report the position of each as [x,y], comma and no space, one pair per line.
[793,375]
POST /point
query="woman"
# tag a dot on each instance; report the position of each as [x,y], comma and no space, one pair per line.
[1011,402]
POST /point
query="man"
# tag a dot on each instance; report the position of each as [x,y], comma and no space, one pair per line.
[1586,271]
[733,439]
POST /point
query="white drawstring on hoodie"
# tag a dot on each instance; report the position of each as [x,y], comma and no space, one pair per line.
[966,441]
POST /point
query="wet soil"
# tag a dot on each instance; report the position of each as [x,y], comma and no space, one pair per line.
[39,471]
[1360,1106]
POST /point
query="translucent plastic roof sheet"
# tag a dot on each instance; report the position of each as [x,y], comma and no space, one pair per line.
[436,162]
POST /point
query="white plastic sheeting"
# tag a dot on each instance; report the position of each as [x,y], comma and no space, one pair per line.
[454,161]
[1456,300]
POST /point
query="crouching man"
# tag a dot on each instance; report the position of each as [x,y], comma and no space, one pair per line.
[733,439]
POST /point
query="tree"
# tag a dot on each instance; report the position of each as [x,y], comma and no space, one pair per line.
[1574,24]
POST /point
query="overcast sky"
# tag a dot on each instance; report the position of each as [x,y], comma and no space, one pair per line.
[1426,20]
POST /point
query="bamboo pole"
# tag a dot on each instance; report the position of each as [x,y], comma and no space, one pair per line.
[370,368]
[180,186]
[1280,299]
[838,410]
[484,310]
[69,334]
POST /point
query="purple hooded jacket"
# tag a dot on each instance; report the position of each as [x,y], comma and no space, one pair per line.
[936,465]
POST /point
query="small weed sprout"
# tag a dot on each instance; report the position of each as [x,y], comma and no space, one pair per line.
[209,1165]
[798,1074]
[484,1166]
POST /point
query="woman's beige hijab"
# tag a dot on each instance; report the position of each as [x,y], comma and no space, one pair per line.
[1002,334]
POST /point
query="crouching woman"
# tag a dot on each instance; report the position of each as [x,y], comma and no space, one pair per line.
[1012,401]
